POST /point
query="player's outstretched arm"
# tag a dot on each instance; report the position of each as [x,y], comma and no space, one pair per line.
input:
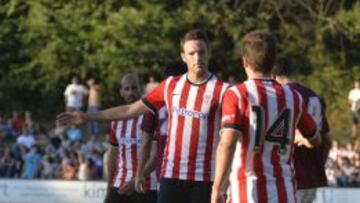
[115,113]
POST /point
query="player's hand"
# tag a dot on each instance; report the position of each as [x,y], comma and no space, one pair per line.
[217,197]
[128,188]
[301,141]
[139,181]
[70,118]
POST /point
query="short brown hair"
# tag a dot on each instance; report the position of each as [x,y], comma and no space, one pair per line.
[260,50]
[196,34]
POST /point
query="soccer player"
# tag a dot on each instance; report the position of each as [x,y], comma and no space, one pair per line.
[125,142]
[259,118]
[309,163]
[155,128]
[193,101]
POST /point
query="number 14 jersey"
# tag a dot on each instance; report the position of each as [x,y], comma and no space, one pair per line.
[267,114]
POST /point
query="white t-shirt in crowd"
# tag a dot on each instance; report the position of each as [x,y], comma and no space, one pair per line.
[75,94]
[354,97]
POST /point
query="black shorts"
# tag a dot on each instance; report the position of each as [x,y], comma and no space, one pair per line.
[184,191]
[115,197]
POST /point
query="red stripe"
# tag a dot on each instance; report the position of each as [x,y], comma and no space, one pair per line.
[180,130]
[195,132]
[113,133]
[123,154]
[134,156]
[215,101]
[258,164]
[169,95]
[275,157]
[244,144]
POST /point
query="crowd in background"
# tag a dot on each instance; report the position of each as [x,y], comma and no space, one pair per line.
[29,151]
[68,154]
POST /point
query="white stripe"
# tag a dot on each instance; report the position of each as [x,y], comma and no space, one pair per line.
[172,135]
[167,83]
[120,164]
[205,107]
[217,128]
[252,192]
[186,136]
[253,100]
[289,99]
[272,111]
[129,165]
[236,164]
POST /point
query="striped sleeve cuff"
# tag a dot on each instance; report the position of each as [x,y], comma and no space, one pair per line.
[149,105]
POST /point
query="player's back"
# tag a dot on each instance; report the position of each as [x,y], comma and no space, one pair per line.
[269,114]
[310,163]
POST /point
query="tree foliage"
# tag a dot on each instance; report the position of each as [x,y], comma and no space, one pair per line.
[43,42]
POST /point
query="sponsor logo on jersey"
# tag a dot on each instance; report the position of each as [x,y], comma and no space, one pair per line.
[189,113]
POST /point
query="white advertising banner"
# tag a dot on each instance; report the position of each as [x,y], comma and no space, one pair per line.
[57,191]
[51,191]
[338,195]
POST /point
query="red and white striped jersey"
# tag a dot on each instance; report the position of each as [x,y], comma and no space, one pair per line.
[194,113]
[267,115]
[156,126]
[127,136]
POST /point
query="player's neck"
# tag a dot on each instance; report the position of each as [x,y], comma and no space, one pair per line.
[257,75]
[199,77]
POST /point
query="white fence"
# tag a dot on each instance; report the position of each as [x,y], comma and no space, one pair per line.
[55,191]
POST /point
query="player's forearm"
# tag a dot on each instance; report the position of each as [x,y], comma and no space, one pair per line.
[117,113]
[150,165]
[144,155]
[224,157]
[111,161]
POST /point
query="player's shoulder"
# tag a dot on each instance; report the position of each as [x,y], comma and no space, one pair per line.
[303,90]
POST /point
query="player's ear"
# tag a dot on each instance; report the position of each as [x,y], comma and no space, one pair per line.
[183,57]
[245,62]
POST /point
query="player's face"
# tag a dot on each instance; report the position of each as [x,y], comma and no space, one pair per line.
[195,55]
[130,90]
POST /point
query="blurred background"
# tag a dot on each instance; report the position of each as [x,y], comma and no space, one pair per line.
[44,43]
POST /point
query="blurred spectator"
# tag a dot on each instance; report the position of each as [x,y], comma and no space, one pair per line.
[334,151]
[94,101]
[32,161]
[74,133]
[32,126]
[354,101]
[151,84]
[26,138]
[6,131]
[8,164]
[68,167]
[17,123]
[49,167]
[74,95]
[84,172]
[91,144]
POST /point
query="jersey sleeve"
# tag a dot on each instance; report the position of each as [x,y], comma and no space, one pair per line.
[231,116]
[112,134]
[306,124]
[149,123]
[155,99]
